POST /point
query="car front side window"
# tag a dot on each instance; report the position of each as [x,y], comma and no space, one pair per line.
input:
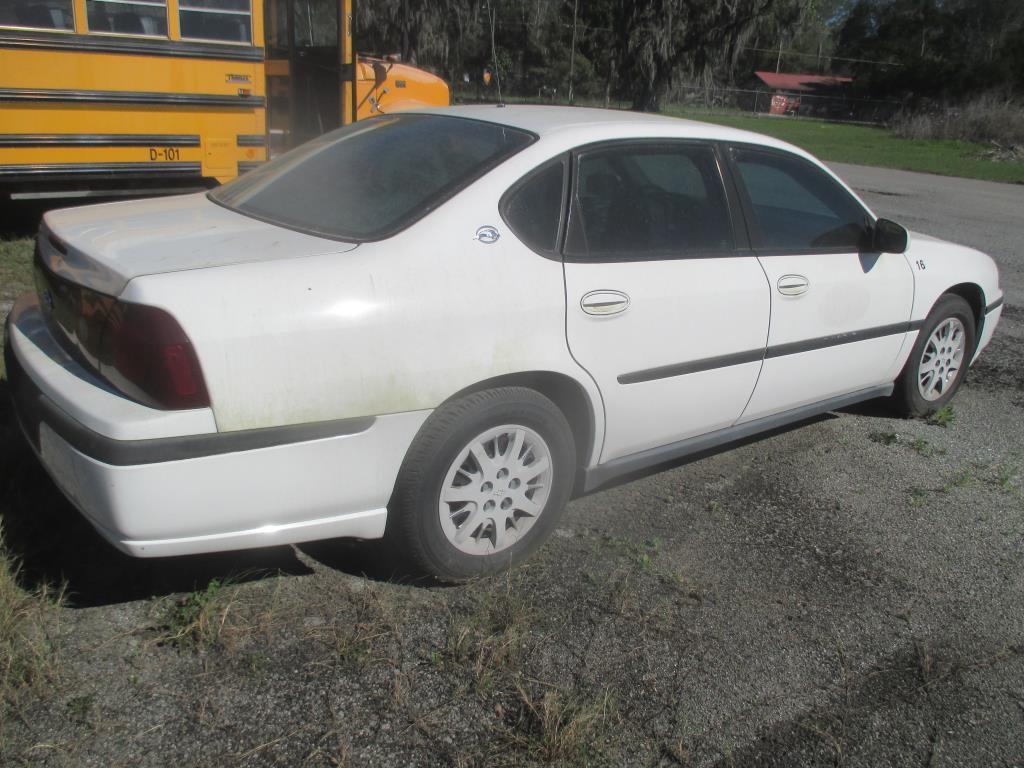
[646,201]
[798,207]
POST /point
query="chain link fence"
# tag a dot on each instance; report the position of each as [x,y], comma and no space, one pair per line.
[835,107]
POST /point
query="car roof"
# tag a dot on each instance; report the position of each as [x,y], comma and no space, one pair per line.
[546,121]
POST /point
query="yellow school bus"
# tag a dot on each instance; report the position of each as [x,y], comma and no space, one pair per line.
[114,97]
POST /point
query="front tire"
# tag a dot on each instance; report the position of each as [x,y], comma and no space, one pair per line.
[939,360]
[485,482]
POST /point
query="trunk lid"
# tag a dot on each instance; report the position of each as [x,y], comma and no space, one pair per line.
[102,247]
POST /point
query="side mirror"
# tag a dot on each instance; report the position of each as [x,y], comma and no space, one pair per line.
[888,237]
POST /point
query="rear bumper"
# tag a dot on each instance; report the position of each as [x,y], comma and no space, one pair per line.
[206,492]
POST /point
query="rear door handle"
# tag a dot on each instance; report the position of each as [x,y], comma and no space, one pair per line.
[793,285]
[604,302]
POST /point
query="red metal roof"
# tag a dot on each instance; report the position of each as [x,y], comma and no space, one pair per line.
[792,81]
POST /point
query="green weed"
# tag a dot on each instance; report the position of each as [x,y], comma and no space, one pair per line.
[943,417]
[199,617]
[884,438]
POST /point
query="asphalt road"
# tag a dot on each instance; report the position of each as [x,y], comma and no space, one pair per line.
[848,592]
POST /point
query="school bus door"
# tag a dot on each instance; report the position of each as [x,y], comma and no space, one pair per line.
[304,70]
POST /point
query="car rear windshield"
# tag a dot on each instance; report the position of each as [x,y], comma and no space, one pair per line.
[372,179]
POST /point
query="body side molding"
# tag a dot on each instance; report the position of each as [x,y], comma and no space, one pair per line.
[778,350]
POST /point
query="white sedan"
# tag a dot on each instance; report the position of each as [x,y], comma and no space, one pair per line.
[435,327]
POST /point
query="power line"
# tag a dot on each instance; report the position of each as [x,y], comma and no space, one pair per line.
[822,56]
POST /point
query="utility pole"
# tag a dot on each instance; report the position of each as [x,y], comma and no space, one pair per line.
[572,50]
[405,31]
[778,61]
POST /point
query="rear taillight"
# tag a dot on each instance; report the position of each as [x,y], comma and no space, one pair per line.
[140,350]
[147,355]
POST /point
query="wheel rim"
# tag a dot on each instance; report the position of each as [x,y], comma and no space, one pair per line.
[942,359]
[495,490]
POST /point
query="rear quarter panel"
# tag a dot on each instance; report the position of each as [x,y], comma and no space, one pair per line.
[394,326]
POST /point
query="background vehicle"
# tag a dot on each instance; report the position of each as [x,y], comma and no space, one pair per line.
[518,302]
[108,97]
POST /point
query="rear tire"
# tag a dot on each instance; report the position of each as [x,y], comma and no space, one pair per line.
[939,360]
[483,485]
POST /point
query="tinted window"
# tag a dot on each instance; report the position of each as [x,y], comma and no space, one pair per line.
[227,20]
[369,179]
[644,201]
[41,14]
[534,209]
[797,205]
[126,18]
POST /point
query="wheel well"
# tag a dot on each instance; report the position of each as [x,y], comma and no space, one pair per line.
[567,394]
[973,295]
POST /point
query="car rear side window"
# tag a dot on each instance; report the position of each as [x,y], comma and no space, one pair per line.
[371,179]
[648,201]
[797,206]
[533,208]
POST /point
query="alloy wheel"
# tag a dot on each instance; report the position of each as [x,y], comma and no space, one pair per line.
[495,489]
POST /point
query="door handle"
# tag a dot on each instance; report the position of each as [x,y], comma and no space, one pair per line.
[604,302]
[793,285]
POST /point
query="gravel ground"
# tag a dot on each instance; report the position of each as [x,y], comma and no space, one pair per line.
[846,592]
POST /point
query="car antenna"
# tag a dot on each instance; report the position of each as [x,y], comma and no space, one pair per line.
[494,56]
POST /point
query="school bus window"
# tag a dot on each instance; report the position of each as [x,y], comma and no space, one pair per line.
[37,14]
[135,17]
[221,20]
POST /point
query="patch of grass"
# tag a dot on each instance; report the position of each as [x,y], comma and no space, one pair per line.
[80,707]
[943,417]
[884,438]
[640,553]
[1005,476]
[198,618]
[917,495]
[552,727]
[489,639]
[27,659]
[867,145]
[683,585]
[374,629]
[15,277]
[960,480]
[922,447]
